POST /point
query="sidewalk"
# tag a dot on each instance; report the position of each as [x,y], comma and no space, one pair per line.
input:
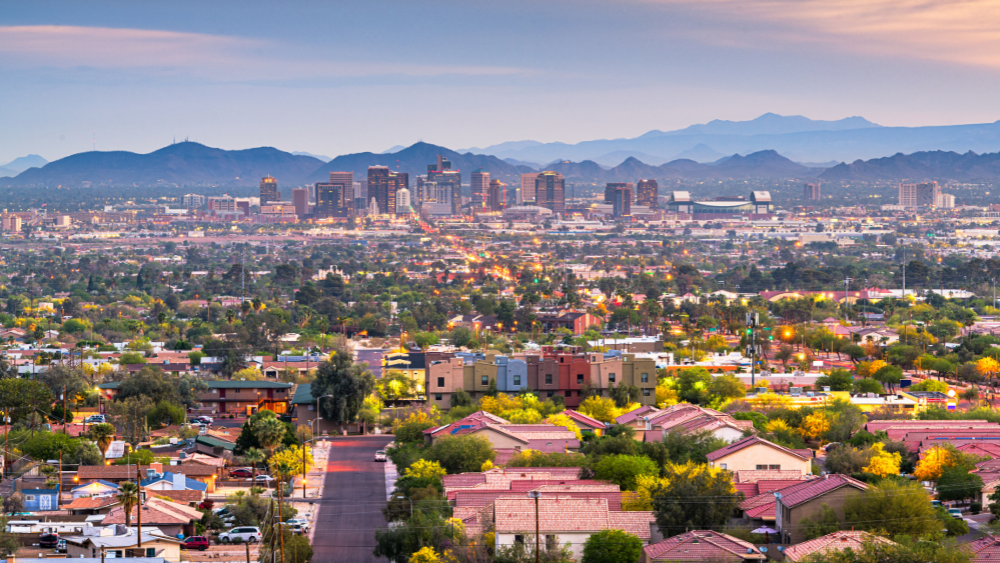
[317,474]
[390,475]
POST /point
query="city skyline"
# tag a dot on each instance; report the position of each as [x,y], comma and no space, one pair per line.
[137,77]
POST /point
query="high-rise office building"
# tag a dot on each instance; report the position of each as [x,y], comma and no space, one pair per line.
[480,184]
[550,191]
[946,201]
[300,199]
[447,179]
[269,190]
[336,197]
[498,195]
[383,185]
[610,187]
[647,192]
[621,200]
[810,192]
[919,195]
[527,187]
[194,200]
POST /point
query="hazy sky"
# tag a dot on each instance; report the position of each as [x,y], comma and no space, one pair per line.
[336,77]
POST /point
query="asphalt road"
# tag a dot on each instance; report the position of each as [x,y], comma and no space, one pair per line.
[353,497]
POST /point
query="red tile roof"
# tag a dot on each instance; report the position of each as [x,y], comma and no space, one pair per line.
[702,545]
[752,476]
[583,419]
[566,515]
[837,541]
[985,550]
[630,417]
[817,487]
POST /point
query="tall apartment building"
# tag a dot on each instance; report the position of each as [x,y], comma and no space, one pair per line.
[403,201]
[498,196]
[383,185]
[810,192]
[480,188]
[336,197]
[927,194]
[448,180]
[269,190]
[527,187]
[10,222]
[300,199]
[194,200]
[610,187]
[550,191]
[647,192]
[946,201]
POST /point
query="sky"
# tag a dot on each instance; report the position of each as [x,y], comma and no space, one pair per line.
[350,76]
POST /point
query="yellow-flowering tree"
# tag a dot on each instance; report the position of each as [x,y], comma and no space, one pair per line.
[987,367]
[564,420]
[883,463]
[248,374]
[600,408]
[425,555]
[666,395]
[500,404]
[814,425]
[292,458]
[487,465]
[934,463]
[522,416]
[642,497]
[426,469]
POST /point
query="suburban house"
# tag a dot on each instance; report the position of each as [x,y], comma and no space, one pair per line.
[837,541]
[89,506]
[41,499]
[807,500]
[247,397]
[124,545]
[565,520]
[168,481]
[754,453]
[508,439]
[686,418]
[117,473]
[985,549]
[304,413]
[170,517]
[94,488]
[701,545]
[588,425]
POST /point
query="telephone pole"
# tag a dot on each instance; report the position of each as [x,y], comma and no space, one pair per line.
[753,320]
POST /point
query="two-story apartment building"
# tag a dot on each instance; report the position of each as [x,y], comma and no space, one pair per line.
[247,397]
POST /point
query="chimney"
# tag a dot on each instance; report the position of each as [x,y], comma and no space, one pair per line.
[180,481]
[157,467]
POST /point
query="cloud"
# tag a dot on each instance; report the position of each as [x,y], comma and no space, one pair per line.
[955,31]
[220,58]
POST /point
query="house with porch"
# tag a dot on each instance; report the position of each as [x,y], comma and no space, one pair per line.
[245,398]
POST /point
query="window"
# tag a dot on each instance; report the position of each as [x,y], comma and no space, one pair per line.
[569,393]
[762,467]
[774,467]
[550,541]
[645,392]
[548,379]
[645,378]
[611,377]
[437,397]
[579,378]
[723,466]
[549,393]
[440,382]
[518,538]
[517,380]
[486,380]
[29,498]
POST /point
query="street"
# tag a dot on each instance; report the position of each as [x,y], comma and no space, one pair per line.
[353,497]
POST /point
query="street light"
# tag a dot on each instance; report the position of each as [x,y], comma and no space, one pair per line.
[318,415]
[536,495]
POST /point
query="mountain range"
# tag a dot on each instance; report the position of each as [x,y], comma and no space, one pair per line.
[180,163]
[20,164]
[761,164]
[937,165]
[796,137]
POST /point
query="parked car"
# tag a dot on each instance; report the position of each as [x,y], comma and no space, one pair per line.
[48,540]
[264,479]
[61,546]
[380,455]
[955,513]
[201,420]
[95,419]
[244,534]
[241,472]
[196,542]
[301,522]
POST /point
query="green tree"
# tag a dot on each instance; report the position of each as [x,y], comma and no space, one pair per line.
[129,417]
[347,383]
[270,432]
[692,385]
[624,394]
[680,505]
[893,508]
[248,436]
[461,399]
[165,414]
[128,496]
[149,382]
[837,380]
[956,483]
[888,376]
[903,550]
[103,434]
[824,523]
[130,358]
[461,454]
[624,469]
[612,546]
[727,387]
[20,397]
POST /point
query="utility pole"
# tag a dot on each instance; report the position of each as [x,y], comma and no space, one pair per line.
[753,319]
[538,542]
[64,409]
[138,504]
[248,550]
[59,488]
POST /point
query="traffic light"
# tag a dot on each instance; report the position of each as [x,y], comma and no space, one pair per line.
[749,331]
[769,337]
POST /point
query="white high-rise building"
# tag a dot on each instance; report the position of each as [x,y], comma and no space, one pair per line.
[919,195]
[194,200]
[373,207]
[403,201]
[946,201]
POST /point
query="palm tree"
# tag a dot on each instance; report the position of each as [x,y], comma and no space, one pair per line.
[128,495]
[103,434]
[270,431]
[253,456]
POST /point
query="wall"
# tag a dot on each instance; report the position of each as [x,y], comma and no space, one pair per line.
[834,499]
[748,458]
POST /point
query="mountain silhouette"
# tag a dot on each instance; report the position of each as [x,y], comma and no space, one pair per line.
[926,165]
[414,160]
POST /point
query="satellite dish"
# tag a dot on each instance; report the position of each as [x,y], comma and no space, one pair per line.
[777,495]
[781,548]
[762,549]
